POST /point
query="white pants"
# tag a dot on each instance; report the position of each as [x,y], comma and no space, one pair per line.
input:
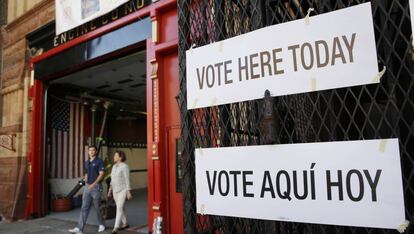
[120,198]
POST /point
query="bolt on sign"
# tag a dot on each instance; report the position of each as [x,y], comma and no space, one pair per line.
[351,183]
[328,51]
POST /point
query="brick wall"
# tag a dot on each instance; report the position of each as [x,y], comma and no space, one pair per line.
[15,39]
[17,8]
[13,172]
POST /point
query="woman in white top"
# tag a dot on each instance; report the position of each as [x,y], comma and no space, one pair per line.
[120,188]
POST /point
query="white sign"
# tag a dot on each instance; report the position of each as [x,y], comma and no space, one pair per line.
[72,13]
[334,50]
[351,183]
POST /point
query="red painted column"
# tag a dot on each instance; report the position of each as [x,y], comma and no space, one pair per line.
[163,36]
[35,155]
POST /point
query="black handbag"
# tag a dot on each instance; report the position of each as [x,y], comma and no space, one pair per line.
[108,209]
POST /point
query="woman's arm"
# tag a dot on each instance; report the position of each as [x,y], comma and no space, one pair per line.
[126,176]
[127,181]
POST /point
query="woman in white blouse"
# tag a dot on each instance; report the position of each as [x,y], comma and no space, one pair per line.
[120,188]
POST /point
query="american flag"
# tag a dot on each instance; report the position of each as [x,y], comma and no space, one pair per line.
[66,149]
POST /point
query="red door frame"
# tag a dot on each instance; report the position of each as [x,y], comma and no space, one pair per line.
[35,154]
[158,196]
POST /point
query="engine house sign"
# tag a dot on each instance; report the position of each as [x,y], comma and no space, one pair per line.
[76,18]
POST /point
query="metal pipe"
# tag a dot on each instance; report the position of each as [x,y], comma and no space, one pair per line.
[106,106]
[112,100]
[93,109]
[268,120]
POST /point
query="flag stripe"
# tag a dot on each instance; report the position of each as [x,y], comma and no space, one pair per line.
[51,160]
[76,127]
[57,154]
[74,156]
[66,148]
[80,157]
[55,162]
[76,130]
[60,153]
[71,135]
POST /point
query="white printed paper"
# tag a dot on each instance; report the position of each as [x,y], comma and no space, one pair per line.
[334,50]
[351,183]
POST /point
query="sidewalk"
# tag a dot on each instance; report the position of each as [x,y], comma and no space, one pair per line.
[44,225]
[136,211]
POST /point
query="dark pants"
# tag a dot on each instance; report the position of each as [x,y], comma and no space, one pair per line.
[89,197]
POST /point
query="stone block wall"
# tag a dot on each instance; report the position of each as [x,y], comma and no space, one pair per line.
[16,106]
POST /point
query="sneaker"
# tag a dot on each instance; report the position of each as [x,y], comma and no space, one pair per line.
[101,228]
[75,230]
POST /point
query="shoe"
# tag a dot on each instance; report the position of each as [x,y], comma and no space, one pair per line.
[115,231]
[101,228]
[75,230]
[124,227]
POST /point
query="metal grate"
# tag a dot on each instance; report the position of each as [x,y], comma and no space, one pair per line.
[363,112]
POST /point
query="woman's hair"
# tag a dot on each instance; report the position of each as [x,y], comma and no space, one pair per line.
[121,155]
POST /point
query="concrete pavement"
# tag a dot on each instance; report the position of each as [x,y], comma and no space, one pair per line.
[43,225]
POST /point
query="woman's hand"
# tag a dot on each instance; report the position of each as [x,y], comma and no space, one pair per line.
[129,195]
[110,193]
